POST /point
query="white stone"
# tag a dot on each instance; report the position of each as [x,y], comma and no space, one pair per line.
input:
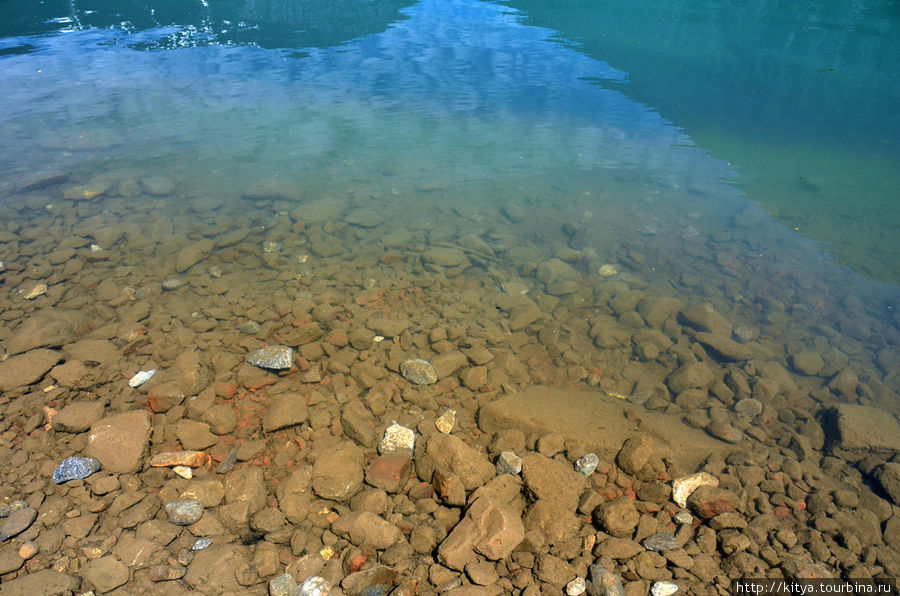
[664,589]
[397,438]
[684,486]
[140,378]
[576,587]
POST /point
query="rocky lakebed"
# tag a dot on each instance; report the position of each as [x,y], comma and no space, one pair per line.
[273,393]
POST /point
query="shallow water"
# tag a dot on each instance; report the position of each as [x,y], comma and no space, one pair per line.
[452,163]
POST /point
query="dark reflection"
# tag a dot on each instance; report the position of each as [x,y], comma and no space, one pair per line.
[263,23]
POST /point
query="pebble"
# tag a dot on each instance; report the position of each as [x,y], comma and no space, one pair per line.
[272,357]
[188,458]
[576,587]
[664,588]
[38,290]
[418,371]
[202,543]
[184,512]
[282,585]
[509,463]
[215,271]
[142,377]
[28,549]
[446,421]
[586,464]
[684,486]
[313,586]
[73,468]
[397,439]
[748,407]
[17,522]
[684,518]
[660,543]
[162,573]
[607,270]
[171,284]
[183,471]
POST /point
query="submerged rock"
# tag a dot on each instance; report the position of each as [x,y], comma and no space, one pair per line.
[272,357]
[419,372]
[73,468]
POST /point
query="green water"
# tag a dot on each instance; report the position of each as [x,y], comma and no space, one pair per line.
[801,97]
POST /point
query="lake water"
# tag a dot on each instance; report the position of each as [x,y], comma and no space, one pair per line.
[564,184]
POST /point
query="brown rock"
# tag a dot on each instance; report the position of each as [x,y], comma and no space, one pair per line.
[220,569]
[487,528]
[294,495]
[78,416]
[705,318]
[119,442]
[194,435]
[709,501]
[693,375]
[724,347]
[358,423]
[106,573]
[48,329]
[554,571]
[286,410]
[857,430]
[447,364]
[45,582]
[27,368]
[618,517]
[246,485]
[635,453]
[551,479]
[552,520]
[93,352]
[208,491]
[338,473]
[452,456]
[192,254]
[389,471]
[366,528]
[188,458]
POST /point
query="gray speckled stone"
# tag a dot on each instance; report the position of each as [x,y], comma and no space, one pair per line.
[419,372]
[73,468]
[272,357]
[660,542]
[184,512]
[586,464]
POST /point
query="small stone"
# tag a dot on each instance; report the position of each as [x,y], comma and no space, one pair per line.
[282,585]
[73,468]
[272,357]
[604,582]
[509,463]
[162,573]
[184,512]
[202,543]
[748,407]
[807,363]
[141,377]
[419,372]
[314,586]
[586,464]
[171,284]
[660,543]
[28,549]
[397,439]
[106,573]
[17,522]
[38,290]
[183,471]
[684,486]
[684,518]
[608,270]
[576,587]
[663,588]
[446,421]
[188,458]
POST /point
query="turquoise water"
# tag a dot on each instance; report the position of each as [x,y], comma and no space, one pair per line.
[743,158]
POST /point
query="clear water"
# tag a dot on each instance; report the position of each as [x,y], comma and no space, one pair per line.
[675,153]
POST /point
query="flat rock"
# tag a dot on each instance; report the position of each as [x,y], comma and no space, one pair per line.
[248,486]
[119,442]
[78,416]
[488,529]
[48,329]
[366,528]
[807,363]
[45,582]
[40,179]
[184,512]
[551,479]
[723,347]
[338,473]
[693,375]
[219,569]
[17,522]
[158,186]
[286,410]
[856,431]
[274,357]
[194,435]
[450,455]
[75,468]
[445,257]
[598,423]
[387,327]
[27,368]
[92,352]
[705,318]
[106,573]
[364,218]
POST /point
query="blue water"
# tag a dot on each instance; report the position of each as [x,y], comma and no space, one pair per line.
[440,114]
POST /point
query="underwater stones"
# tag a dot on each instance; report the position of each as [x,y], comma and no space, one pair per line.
[75,468]
[418,372]
[445,257]
[119,441]
[339,473]
[192,254]
[684,486]
[364,218]
[855,431]
[705,318]
[17,522]
[184,512]
[171,284]
[397,439]
[807,363]
[275,357]
[34,292]
[27,368]
[158,186]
